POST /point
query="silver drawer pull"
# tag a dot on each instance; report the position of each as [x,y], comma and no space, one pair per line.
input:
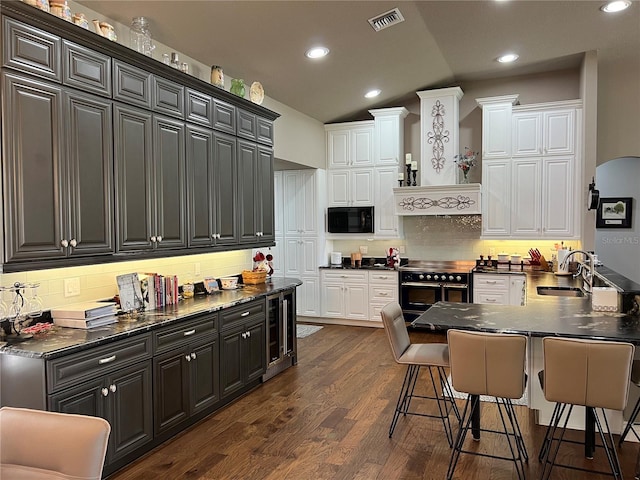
[383,294]
[382,277]
[112,387]
[110,359]
[105,392]
[187,358]
[244,314]
[490,299]
[189,333]
[492,282]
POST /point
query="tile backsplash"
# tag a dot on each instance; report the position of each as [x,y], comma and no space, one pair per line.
[99,281]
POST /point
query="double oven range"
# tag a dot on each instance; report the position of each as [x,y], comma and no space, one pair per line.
[423,283]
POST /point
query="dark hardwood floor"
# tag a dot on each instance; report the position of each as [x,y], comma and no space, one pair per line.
[328,418]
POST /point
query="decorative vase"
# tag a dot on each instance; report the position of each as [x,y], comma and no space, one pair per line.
[465,176]
[237,87]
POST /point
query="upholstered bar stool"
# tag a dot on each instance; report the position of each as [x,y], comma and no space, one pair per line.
[489,364]
[433,356]
[39,445]
[590,373]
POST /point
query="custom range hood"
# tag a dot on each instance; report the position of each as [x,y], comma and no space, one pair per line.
[439,192]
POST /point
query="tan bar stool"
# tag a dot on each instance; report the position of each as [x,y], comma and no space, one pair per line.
[591,373]
[40,445]
[489,364]
[433,356]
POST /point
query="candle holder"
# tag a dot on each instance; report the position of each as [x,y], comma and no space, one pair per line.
[408,175]
[400,182]
[415,172]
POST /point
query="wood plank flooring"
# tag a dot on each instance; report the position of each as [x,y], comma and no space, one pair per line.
[328,418]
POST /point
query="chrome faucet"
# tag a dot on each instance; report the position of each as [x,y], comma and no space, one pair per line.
[592,265]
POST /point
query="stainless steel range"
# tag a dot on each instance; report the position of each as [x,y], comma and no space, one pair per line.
[423,283]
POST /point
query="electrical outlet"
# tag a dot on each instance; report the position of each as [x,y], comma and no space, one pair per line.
[196,269]
[364,249]
[401,249]
[72,287]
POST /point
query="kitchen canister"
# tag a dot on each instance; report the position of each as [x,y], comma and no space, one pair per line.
[60,9]
[140,36]
[80,20]
[41,4]
[217,76]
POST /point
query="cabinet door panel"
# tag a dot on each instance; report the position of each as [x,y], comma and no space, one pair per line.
[307,299]
[33,173]
[255,351]
[559,132]
[204,367]
[386,221]
[131,84]
[168,97]
[338,148]
[199,108]
[170,198]
[247,190]
[231,377]
[200,175]
[90,157]
[171,388]
[131,409]
[84,399]
[31,50]
[526,196]
[339,188]
[308,256]
[357,302]
[362,187]
[558,200]
[265,213]
[527,134]
[134,178]
[225,188]
[86,69]
[496,131]
[224,116]
[362,147]
[247,126]
[293,256]
[496,190]
[264,131]
[332,299]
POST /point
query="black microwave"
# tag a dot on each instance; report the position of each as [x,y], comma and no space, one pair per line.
[350,219]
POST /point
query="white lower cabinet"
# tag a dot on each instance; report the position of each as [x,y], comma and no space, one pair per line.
[499,289]
[357,295]
[308,297]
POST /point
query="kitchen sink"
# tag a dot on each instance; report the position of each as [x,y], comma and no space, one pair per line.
[561,291]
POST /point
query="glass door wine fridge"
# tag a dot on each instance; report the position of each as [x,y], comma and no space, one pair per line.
[281,332]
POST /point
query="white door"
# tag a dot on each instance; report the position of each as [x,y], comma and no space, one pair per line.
[338,148]
[362,187]
[307,301]
[338,182]
[291,200]
[386,220]
[333,300]
[527,134]
[559,132]
[526,196]
[309,202]
[558,203]
[496,191]
[356,301]
[308,254]
[293,267]
[362,146]
[496,131]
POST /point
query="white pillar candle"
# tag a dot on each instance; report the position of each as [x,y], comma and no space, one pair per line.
[407,159]
[401,176]
[414,165]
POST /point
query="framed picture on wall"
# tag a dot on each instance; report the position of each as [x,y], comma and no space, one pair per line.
[614,212]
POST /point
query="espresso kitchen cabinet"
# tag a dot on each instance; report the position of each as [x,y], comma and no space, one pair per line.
[255,193]
[242,346]
[112,382]
[150,180]
[186,368]
[212,175]
[58,184]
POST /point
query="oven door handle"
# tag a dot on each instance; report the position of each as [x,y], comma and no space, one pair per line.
[420,284]
[458,286]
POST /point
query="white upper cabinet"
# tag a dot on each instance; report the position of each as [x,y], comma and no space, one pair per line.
[526,197]
[350,187]
[386,222]
[350,144]
[559,132]
[496,126]
[389,135]
[300,200]
[558,203]
[496,196]
[527,134]
[550,132]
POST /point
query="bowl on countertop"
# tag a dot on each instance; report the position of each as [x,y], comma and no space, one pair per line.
[516,258]
[229,283]
[503,257]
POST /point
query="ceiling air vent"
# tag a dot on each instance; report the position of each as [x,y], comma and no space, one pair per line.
[387,19]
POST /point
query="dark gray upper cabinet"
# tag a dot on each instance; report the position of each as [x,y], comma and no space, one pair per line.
[224,116]
[170,183]
[265,209]
[168,97]
[199,108]
[33,168]
[90,174]
[86,69]
[30,49]
[134,178]
[247,125]
[248,193]
[212,174]
[131,85]
[264,131]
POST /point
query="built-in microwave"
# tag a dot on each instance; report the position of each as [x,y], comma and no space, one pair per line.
[350,219]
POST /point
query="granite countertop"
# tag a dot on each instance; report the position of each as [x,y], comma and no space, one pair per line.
[63,341]
[542,315]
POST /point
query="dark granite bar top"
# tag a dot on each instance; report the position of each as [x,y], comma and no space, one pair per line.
[542,315]
[63,341]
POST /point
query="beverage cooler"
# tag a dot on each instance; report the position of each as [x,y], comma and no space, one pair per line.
[281,332]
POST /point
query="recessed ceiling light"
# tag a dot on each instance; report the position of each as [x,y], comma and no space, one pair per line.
[317,52]
[373,93]
[508,58]
[616,6]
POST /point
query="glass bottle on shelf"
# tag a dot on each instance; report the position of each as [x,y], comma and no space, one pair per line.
[141,36]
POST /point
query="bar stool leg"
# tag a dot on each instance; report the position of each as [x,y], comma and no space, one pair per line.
[551,455]
[401,399]
[629,426]
[463,429]
[608,444]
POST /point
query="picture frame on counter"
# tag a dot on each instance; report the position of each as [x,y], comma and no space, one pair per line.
[614,212]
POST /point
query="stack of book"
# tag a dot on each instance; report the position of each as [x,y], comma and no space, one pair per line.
[158,291]
[85,315]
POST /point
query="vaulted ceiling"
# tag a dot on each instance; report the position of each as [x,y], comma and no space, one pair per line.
[438,44]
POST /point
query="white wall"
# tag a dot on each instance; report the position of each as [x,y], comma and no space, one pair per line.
[619,248]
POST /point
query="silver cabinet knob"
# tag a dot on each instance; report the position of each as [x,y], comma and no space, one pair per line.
[105,392]
[112,387]
[187,357]
[64,243]
[73,242]
[193,355]
[153,238]
[159,238]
